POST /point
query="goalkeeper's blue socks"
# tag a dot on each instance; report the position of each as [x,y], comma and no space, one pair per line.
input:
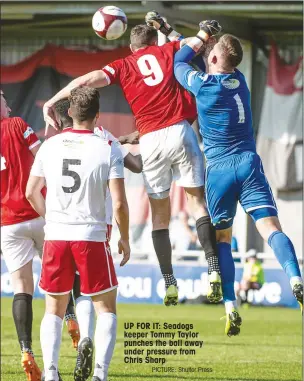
[227,269]
[285,254]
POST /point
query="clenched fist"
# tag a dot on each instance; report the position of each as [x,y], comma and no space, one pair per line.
[155,20]
[211,27]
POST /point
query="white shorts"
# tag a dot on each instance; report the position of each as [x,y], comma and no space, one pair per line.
[21,242]
[171,154]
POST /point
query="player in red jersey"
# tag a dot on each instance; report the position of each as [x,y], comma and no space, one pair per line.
[168,144]
[21,227]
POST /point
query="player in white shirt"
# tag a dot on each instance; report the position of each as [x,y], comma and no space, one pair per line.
[84,307]
[77,167]
[131,162]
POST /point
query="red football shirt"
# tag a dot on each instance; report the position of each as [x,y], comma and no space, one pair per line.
[17,138]
[147,78]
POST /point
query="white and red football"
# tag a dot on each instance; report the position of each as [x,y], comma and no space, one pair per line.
[109,22]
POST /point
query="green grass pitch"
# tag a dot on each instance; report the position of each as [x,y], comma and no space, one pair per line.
[269,347]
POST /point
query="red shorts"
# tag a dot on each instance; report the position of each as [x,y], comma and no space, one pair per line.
[93,261]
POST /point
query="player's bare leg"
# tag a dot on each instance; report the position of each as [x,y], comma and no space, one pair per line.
[206,236]
[51,333]
[23,286]
[161,213]
[105,333]
[233,319]
[271,231]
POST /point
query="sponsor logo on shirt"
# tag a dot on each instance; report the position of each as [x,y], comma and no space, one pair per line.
[231,83]
[28,132]
[72,143]
[109,69]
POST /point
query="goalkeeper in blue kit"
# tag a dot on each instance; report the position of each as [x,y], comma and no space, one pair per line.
[234,171]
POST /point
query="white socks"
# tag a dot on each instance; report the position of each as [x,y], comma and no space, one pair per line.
[294,280]
[230,306]
[105,338]
[50,339]
[85,316]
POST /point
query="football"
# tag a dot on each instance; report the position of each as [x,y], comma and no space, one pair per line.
[109,22]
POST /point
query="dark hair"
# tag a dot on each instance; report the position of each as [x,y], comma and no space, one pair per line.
[231,49]
[61,110]
[84,103]
[142,35]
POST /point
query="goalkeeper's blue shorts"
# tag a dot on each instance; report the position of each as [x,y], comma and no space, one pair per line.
[239,178]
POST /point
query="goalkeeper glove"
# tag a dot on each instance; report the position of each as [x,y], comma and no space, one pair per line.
[155,20]
[209,27]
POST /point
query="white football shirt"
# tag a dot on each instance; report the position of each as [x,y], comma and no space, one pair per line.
[77,165]
[106,135]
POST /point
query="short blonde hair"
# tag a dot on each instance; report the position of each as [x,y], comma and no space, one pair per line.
[231,49]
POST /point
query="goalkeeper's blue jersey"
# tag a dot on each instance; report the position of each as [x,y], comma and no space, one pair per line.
[234,170]
[224,113]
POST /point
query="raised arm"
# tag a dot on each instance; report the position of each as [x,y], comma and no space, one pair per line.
[207,29]
[191,79]
[154,19]
[97,78]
